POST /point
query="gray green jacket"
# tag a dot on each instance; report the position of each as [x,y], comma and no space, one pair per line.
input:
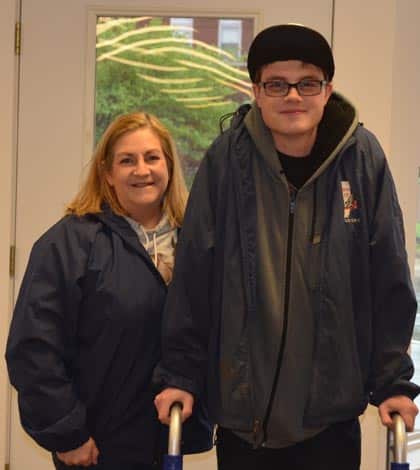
[326,312]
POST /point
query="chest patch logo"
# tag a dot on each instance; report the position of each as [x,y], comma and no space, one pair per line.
[351,205]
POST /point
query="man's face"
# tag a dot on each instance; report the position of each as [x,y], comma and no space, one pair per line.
[291,117]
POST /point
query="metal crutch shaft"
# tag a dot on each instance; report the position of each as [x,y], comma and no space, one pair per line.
[400,444]
[173,460]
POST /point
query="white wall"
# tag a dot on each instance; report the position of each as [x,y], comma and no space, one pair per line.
[405,124]
[364,50]
[7,150]
[378,67]
[364,34]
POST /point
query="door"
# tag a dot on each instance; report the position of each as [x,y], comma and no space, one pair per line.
[56,117]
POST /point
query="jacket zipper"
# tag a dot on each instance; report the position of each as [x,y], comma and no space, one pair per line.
[256,430]
[292,205]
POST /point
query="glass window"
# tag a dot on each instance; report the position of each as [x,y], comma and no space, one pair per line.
[183,27]
[230,36]
[176,69]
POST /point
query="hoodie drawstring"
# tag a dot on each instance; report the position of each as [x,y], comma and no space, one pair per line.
[155,255]
[155,249]
[145,236]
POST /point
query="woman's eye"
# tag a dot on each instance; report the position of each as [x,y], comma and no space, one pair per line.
[126,161]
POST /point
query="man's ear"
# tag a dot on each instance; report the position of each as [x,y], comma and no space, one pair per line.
[257,92]
[329,88]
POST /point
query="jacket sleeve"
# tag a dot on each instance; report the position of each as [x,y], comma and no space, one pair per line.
[187,314]
[394,301]
[41,343]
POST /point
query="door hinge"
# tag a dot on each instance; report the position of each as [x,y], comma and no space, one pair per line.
[12,261]
[18,37]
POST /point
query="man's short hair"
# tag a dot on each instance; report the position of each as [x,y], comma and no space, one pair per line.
[290,42]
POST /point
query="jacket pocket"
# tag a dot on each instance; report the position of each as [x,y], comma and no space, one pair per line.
[235,377]
[336,388]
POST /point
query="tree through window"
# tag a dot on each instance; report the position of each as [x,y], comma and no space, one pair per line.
[187,71]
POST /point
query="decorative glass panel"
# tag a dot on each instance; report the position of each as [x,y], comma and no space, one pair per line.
[189,72]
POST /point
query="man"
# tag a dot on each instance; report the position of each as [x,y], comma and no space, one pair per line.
[291,307]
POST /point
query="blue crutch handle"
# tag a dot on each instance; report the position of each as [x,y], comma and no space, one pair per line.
[174,462]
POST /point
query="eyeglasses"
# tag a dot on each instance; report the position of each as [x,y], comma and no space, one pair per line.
[307,87]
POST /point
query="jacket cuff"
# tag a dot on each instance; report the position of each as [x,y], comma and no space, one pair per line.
[66,434]
[401,387]
[163,378]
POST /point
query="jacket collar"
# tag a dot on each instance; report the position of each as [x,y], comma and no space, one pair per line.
[121,227]
[338,124]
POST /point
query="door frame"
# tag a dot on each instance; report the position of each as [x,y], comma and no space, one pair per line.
[8,151]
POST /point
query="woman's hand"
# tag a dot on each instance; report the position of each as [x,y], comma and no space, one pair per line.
[85,455]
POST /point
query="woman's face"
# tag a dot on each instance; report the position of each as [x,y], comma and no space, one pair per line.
[139,175]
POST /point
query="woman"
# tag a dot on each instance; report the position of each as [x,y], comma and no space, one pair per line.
[85,334]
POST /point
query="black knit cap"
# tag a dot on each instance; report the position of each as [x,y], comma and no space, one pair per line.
[290,42]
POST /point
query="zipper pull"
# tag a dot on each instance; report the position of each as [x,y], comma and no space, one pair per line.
[292,204]
[257,432]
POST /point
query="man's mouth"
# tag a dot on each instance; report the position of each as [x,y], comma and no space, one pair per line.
[292,111]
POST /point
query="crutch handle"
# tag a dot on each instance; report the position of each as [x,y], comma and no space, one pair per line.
[400,443]
[175,429]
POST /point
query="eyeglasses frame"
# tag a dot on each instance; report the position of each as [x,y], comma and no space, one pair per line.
[295,85]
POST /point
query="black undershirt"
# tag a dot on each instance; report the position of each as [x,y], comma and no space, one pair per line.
[335,122]
[297,169]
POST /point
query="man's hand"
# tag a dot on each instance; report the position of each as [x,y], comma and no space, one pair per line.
[399,404]
[84,456]
[168,397]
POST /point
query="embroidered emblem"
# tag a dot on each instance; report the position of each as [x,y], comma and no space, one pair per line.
[351,205]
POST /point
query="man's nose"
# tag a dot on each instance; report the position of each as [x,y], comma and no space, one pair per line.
[293,93]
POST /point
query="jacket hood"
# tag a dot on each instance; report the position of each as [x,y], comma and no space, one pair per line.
[156,245]
[338,123]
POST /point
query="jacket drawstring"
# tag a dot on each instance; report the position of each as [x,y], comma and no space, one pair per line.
[222,120]
[236,117]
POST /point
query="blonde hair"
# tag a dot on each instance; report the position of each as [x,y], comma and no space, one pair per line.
[96,190]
